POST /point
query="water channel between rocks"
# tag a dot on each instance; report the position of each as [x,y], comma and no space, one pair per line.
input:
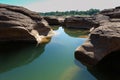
[52,61]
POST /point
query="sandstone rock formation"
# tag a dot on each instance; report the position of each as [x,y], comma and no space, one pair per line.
[112,13]
[21,24]
[52,20]
[103,40]
[79,22]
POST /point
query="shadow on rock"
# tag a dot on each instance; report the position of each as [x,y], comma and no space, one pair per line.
[16,54]
[108,68]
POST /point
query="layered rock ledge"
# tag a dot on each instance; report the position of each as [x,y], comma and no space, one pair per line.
[80,22]
[103,39]
[20,24]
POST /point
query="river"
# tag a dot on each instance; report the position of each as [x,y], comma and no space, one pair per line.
[52,61]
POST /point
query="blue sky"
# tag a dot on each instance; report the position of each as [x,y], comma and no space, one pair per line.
[63,5]
[19,2]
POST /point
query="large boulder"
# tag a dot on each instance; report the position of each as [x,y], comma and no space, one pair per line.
[80,22]
[103,40]
[53,20]
[20,24]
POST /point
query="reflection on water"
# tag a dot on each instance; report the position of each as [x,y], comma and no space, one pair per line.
[16,54]
[76,32]
[55,27]
[53,61]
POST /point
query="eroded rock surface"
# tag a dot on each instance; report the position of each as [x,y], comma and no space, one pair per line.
[103,39]
[112,13]
[80,22]
[20,24]
[52,20]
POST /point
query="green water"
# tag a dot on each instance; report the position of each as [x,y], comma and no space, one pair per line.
[52,61]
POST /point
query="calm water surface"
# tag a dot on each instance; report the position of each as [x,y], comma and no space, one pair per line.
[52,61]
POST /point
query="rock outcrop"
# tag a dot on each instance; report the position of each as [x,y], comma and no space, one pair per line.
[52,20]
[79,22]
[20,24]
[112,13]
[103,40]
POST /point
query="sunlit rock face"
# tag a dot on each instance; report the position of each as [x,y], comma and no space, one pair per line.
[103,40]
[80,22]
[20,24]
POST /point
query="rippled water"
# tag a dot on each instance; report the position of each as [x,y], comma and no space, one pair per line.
[52,61]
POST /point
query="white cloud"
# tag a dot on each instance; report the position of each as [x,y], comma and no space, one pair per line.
[63,5]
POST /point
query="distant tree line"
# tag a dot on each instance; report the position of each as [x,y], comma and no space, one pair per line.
[70,13]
